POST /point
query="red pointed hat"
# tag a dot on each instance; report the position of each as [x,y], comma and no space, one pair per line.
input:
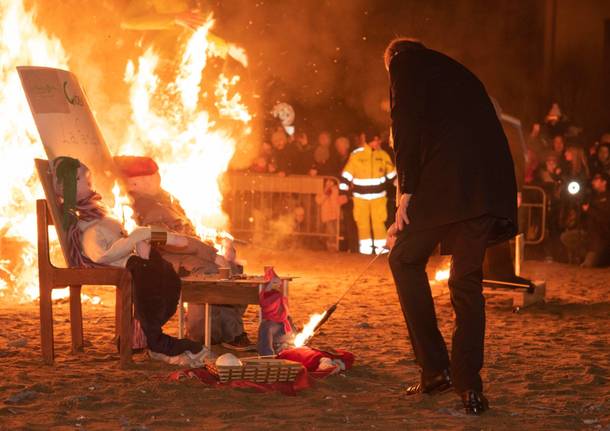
[136,166]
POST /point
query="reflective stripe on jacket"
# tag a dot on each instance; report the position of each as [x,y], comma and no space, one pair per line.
[366,173]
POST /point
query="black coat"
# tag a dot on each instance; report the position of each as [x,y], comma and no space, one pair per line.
[301,159]
[451,152]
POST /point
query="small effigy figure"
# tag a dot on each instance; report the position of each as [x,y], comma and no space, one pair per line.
[276,330]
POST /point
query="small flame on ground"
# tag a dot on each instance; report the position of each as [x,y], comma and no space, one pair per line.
[303,337]
[442,274]
[192,148]
[59,294]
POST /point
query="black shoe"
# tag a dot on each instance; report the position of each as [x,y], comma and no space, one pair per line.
[434,385]
[241,343]
[474,402]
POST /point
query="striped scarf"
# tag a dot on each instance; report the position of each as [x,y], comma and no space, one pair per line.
[87,209]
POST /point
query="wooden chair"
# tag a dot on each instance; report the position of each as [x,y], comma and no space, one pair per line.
[52,277]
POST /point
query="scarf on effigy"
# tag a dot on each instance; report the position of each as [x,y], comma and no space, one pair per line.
[65,174]
[88,209]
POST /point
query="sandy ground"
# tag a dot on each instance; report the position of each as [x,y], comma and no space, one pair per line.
[547,367]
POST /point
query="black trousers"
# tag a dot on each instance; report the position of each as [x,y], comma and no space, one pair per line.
[156,293]
[408,261]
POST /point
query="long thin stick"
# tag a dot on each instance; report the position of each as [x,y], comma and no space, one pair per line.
[333,307]
[366,268]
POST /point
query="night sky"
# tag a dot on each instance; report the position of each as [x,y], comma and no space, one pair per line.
[325,57]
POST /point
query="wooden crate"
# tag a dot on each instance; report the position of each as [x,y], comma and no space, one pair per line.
[259,371]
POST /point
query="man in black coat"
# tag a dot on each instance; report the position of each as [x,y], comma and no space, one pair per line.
[457,187]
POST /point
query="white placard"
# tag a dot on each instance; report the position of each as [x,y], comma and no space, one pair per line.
[65,122]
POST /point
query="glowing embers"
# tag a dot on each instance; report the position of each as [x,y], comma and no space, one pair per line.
[442,274]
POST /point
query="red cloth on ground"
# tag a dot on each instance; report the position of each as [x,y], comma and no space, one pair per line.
[310,358]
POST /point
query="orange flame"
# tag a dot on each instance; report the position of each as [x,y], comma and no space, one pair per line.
[308,330]
[190,148]
[21,43]
[442,274]
[170,126]
[122,210]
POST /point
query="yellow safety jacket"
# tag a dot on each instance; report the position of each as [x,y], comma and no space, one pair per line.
[367,172]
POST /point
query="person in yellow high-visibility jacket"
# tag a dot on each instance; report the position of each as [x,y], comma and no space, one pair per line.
[366,174]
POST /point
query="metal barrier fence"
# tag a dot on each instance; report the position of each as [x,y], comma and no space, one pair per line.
[532,214]
[267,208]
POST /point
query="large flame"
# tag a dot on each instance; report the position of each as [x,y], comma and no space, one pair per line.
[21,43]
[168,123]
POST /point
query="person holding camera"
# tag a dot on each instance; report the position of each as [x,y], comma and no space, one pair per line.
[597,211]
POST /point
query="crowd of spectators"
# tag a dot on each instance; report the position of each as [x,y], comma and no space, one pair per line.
[574,174]
[283,154]
[296,155]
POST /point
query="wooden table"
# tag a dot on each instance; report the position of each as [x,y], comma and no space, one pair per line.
[212,290]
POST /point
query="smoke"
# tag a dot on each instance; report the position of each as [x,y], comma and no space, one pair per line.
[325,57]
[322,56]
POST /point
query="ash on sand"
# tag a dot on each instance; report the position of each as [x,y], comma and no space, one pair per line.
[546,367]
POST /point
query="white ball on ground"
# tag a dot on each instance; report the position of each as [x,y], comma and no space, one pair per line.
[228,360]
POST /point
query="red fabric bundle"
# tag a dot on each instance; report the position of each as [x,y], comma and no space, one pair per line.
[136,166]
[274,305]
[310,358]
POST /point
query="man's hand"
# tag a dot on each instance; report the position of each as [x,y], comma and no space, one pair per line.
[402,219]
[143,249]
[391,238]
